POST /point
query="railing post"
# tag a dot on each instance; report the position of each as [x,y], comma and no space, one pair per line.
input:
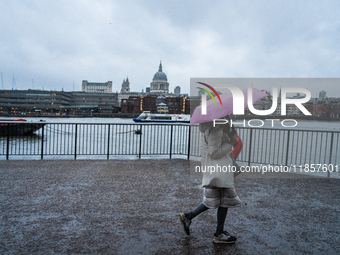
[108,142]
[140,142]
[189,141]
[42,143]
[7,149]
[250,138]
[330,155]
[75,143]
[287,151]
[171,140]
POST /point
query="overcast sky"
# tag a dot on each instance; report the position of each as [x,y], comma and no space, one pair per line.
[60,42]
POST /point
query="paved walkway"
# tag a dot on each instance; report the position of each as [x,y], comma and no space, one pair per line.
[131,207]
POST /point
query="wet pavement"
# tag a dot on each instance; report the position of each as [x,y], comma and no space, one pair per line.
[132,207]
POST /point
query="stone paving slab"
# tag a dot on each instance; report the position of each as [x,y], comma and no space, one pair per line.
[132,206]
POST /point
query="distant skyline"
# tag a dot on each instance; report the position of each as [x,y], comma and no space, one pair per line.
[60,42]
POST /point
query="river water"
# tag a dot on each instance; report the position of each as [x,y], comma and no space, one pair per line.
[301,124]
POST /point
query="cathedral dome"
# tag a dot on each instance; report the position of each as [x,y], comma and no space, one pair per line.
[160,75]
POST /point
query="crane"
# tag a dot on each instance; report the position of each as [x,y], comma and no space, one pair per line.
[2,81]
[13,83]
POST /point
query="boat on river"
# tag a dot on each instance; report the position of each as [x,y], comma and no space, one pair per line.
[18,127]
[146,116]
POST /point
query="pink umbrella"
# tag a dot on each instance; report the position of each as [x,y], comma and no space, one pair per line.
[217,111]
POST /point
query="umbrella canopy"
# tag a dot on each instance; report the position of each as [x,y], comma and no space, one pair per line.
[217,111]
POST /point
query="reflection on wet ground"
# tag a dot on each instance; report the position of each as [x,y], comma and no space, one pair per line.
[132,207]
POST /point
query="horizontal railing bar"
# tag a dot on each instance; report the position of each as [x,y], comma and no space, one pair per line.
[164,124]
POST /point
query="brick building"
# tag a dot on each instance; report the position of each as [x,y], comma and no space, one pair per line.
[324,107]
[156,104]
[133,104]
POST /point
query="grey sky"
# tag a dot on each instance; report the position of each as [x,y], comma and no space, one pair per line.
[60,42]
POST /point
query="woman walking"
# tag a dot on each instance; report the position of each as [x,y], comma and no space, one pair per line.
[218,190]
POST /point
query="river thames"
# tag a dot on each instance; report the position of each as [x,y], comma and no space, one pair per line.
[301,124]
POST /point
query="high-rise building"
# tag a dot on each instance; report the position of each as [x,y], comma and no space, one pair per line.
[177,90]
[322,94]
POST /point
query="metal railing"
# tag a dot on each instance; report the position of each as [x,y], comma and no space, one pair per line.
[75,139]
[260,145]
[285,147]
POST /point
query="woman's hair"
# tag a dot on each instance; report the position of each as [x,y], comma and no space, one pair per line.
[206,125]
[226,128]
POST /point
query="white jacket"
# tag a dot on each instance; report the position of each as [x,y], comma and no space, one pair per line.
[215,143]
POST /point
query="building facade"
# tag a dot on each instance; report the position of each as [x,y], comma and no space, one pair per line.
[42,102]
[125,86]
[324,107]
[96,87]
[13,102]
[159,82]
[156,104]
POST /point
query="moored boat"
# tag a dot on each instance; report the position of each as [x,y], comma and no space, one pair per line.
[146,116]
[18,127]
